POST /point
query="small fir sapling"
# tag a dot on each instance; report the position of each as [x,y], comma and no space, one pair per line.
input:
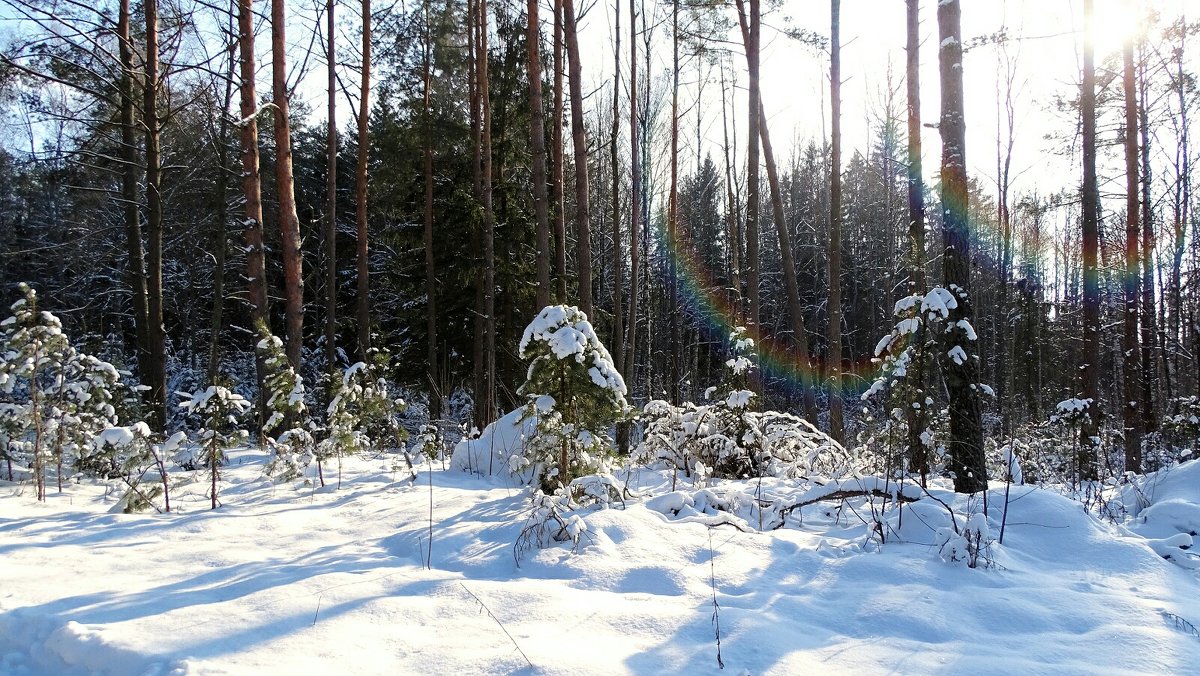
[293,448]
[906,356]
[219,412]
[363,415]
[54,398]
[89,390]
[132,453]
[575,394]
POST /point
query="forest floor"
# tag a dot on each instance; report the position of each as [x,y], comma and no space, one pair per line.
[285,581]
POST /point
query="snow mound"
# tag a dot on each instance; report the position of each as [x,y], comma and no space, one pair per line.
[499,450]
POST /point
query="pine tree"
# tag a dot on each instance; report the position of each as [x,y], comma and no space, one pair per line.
[219,412]
[574,391]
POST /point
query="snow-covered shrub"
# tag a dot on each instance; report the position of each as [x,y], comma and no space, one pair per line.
[727,439]
[363,415]
[550,521]
[293,449]
[53,398]
[131,454]
[219,413]
[574,393]
[1183,425]
[907,439]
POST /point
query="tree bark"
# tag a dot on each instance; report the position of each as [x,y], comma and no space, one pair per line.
[157,370]
[360,190]
[489,244]
[917,418]
[962,374]
[331,148]
[129,198]
[557,161]
[618,259]
[1149,383]
[221,237]
[1090,367]
[289,221]
[837,428]
[750,264]
[256,274]
[635,204]
[431,322]
[537,136]
[1131,371]
[674,245]
[579,141]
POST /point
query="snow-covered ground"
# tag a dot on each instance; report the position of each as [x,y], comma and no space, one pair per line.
[332,581]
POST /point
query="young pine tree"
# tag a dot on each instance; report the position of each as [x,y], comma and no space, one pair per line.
[575,393]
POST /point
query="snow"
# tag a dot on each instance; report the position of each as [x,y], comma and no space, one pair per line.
[327,580]
[957,354]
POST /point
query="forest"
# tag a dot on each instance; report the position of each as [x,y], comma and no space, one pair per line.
[636,253]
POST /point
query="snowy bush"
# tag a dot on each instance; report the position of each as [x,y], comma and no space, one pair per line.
[53,398]
[727,439]
[575,394]
[132,455]
[363,415]
[907,439]
[219,412]
[294,448]
[1183,425]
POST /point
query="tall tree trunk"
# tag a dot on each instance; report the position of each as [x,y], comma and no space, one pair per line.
[733,238]
[837,427]
[157,370]
[635,205]
[431,322]
[791,285]
[579,141]
[1149,334]
[1090,367]
[961,366]
[557,161]
[750,264]
[1131,372]
[331,148]
[674,247]
[221,237]
[256,274]
[289,221]
[917,418]
[489,243]
[537,135]
[129,198]
[618,258]
[360,189]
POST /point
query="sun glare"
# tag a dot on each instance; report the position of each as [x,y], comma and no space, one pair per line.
[1115,22]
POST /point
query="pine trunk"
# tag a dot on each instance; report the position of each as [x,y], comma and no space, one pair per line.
[1090,367]
[1131,371]
[331,147]
[537,136]
[962,374]
[916,417]
[360,190]
[157,370]
[837,427]
[289,221]
[579,142]
[256,274]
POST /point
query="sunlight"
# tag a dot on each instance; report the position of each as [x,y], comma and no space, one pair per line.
[1115,22]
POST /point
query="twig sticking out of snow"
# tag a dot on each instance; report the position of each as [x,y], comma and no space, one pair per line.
[485,609]
[712,582]
[1181,624]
